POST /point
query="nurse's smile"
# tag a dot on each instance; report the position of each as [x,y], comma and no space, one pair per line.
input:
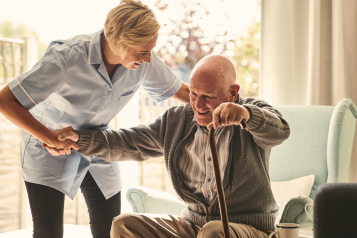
[135,56]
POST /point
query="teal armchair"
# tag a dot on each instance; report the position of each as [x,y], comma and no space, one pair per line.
[320,143]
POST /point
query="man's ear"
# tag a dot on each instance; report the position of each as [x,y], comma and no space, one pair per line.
[234,89]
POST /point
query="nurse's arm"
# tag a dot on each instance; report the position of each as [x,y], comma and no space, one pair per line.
[13,110]
[182,95]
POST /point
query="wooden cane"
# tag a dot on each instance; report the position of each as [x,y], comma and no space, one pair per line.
[217,174]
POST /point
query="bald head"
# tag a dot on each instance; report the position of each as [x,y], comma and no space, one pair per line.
[212,83]
[216,69]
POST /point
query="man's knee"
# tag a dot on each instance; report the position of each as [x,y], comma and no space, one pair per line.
[211,229]
[122,223]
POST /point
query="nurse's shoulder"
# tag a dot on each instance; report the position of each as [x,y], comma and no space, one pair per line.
[76,48]
[75,41]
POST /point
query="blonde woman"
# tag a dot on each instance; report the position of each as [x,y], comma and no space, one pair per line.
[84,82]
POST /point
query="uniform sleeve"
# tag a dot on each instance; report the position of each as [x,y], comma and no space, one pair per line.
[46,77]
[159,80]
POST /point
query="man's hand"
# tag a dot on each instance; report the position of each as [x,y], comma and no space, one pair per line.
[66,139]
[229,114]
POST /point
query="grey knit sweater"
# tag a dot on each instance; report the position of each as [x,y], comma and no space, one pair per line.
[246,180]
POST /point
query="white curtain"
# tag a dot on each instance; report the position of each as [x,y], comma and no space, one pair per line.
[309,54]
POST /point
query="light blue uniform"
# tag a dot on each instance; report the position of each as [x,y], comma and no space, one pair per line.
[70,86]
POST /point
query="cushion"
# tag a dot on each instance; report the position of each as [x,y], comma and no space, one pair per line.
[283,191]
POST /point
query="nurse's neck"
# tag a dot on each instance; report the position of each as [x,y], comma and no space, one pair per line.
[111,60]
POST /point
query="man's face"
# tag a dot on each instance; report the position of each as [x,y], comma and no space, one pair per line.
[135,55]
[206,94]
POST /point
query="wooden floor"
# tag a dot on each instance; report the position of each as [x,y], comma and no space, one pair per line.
[70,231]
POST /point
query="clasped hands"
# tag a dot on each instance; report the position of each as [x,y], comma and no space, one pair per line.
[65,141]
[225,114]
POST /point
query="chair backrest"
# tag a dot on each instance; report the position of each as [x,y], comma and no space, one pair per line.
[320,143]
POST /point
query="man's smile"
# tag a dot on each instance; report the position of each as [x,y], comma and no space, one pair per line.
[203,112]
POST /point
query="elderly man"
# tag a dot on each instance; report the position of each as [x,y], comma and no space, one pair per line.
[181,136]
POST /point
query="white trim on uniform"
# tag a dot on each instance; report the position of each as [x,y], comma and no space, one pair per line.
[90,48]
[26,92]
[167,89]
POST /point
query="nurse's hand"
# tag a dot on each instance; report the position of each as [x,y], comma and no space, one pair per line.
[63,143]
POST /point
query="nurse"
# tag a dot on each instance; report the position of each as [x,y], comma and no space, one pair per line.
[84,82]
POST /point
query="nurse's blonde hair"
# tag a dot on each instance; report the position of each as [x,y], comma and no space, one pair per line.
[131,23]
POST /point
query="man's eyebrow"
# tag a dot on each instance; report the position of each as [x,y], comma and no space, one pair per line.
[212,95]
[209,94]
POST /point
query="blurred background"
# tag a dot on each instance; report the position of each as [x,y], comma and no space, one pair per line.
[190,30]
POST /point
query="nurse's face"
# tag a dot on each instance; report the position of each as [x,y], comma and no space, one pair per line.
[139,54]
[135,56]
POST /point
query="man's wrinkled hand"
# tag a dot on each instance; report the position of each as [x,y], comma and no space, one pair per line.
[228,114]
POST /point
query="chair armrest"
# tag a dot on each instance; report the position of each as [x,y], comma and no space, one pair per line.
[294,211]
[148,200]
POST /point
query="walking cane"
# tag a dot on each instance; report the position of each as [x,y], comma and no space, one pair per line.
[217,174]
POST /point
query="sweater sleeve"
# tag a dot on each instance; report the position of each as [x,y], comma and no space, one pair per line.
[266,123]
[138,143]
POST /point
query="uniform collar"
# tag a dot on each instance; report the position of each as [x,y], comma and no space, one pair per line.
[95,52]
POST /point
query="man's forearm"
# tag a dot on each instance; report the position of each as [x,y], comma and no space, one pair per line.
[267,128]
[135,144]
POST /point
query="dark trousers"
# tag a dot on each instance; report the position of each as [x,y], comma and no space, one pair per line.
[47,206]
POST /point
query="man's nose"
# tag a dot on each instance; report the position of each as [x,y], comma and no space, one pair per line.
[147,58]
[200,103]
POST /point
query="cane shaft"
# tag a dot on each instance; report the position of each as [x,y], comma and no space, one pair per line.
[217,174]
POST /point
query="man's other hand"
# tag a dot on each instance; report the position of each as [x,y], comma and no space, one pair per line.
[228,114]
